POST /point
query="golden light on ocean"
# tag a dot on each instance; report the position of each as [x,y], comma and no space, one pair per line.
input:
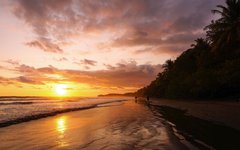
[61,124]
[61,128]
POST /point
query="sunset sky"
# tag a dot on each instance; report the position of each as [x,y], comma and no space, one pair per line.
[91,47]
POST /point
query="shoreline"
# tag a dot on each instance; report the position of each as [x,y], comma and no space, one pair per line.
[50,114]
[118,125]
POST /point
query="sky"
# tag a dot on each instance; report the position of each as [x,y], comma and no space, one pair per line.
[91,47]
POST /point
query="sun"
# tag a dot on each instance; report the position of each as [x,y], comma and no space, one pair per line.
[61,89]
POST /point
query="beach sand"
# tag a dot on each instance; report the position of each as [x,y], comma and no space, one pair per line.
[119,125]
[221,112]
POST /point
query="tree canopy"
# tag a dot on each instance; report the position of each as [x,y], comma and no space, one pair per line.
[210,68]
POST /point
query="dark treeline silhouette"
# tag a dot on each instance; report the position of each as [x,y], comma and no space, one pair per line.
[116,95]
[210,68]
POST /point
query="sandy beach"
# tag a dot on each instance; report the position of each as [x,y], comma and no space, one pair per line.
[131,124]
[119,125]
[221,112]
[120,75]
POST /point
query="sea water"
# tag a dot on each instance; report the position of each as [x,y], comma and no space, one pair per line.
[18,109]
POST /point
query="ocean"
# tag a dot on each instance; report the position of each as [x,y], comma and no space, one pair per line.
[14,110]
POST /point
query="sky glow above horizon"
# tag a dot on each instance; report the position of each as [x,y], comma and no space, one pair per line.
[93,46]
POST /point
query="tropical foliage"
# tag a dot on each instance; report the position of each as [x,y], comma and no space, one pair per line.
[225,31]
[210,68]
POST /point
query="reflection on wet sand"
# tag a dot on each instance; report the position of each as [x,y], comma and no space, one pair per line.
[61,127]
[122,125]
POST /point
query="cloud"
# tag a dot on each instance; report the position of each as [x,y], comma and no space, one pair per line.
[124,74]
[61,59]
[88,62]
[5,81]
[173,50]
[127,74]
[27,80]
[12,62]
[45,45]
[131,23]
[25,69]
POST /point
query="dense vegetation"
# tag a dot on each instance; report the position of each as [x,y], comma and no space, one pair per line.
[116,95]
[210,68]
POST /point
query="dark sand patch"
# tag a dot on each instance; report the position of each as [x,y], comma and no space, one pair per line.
[202,133]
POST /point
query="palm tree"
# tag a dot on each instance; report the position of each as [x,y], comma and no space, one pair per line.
[168,65]
[226,30]
[201,43]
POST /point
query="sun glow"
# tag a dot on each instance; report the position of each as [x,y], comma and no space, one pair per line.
[61,89]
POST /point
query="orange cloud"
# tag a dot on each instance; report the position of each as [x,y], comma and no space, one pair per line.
[127,74]
[46,45]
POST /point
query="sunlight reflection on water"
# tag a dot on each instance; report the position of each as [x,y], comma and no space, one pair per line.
[61,124]
[61,128]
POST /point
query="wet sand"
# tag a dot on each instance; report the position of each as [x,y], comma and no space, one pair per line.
[220,112]
[119,125]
